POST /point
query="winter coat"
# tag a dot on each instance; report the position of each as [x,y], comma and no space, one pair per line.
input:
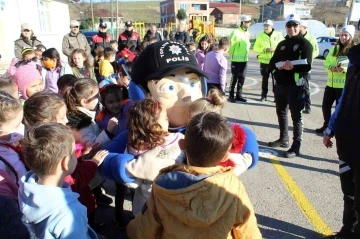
[335,79]
[240,45]
[72,42]
[194,202]
[23,43]
[264,41]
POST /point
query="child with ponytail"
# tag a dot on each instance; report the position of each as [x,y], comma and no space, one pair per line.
[11,132]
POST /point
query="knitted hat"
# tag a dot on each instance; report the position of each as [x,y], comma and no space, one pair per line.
[26,26]
[24,75]
[349,29]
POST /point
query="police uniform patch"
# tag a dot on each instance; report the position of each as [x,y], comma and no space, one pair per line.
[295,47]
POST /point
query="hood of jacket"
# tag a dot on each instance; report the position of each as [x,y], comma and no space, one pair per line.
[195,196]
[353,55]
[38,202]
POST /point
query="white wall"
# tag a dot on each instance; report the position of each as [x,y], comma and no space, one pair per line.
[16,12]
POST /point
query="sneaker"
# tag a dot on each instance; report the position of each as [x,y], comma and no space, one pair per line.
[341,235]
[279,143]
[294,150]
[307,111]
[232,100]
[320,130]
[263,98]
[241,99]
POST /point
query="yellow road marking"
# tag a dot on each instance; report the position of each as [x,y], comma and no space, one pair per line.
[306,207]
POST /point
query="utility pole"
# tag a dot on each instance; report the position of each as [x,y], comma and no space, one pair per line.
[262,12]
[240,12]
[117,18]
[112,16]
[92,15]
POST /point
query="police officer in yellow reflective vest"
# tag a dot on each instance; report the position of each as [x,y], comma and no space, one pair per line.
[313,41]
[239,56]
[291,60]
[265,46]
[336,72]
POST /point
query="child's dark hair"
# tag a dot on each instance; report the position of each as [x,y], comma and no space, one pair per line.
[45,145]
[80,89]
[143,45]
[9,107]
[41,48]
[144,130]
[208,138]
[52,53]
[78,120]
[64,81]
[204,38]
[109,90]
[83,53]
[8,85]
[120,69]
[99,51]
[113,42]
[224,43]
[42,107]
[11,168]
[108,52]
[214,47]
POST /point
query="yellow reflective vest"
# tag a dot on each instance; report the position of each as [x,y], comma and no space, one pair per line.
[314,44]
[335,79]
[264,41]
[240,45]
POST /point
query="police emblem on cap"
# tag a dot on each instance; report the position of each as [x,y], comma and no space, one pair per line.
[295,47]
[169,49]
[175,49]
[128,22]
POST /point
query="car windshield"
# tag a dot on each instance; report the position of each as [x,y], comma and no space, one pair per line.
[333,40]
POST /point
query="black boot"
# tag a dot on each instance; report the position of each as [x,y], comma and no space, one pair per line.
[320,130]
[293,151]
[279,143]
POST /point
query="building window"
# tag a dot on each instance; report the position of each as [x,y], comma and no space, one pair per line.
[44,15]
[183,6]
[196,6]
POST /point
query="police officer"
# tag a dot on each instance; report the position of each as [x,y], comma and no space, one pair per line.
[129,36]
[313,41]
[265,46]
[75,40]
[102,38]
[239,51]
[292,59]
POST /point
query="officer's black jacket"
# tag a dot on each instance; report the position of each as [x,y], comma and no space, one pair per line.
[294,48]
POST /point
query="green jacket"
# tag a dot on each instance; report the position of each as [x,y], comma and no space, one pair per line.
[335,79]
[314,44]
[264,41]
[77,73]
[240,45]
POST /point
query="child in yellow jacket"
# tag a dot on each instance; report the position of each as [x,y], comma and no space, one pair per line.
[198,200]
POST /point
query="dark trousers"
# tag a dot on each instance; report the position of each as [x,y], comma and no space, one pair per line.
[307,78]
[349,164]
[331,95]
[120,193]
[238,71]
[265,72]
[290,97]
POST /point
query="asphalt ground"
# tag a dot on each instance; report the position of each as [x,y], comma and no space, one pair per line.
[292,198]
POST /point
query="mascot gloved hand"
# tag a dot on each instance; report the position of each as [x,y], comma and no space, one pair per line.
[167,72]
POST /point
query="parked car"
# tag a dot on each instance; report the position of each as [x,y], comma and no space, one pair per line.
[89,34]
[325,44]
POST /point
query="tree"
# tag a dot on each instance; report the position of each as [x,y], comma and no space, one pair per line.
[87,24]
[181,15]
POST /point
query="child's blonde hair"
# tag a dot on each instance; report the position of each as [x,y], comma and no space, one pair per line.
[213,103]
[9,107]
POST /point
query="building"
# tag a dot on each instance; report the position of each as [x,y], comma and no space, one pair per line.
[49,19]
[279,9]
[169,9]
[228,13]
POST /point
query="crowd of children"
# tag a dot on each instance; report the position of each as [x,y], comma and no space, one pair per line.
[55,117]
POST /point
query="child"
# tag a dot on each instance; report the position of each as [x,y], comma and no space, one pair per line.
[124,72]
[214,103]
[64,82]
[148,127]
[53,69]
[28,54]
[114,45]
[38,53]
[202,49]
[28,79]
[114,106]
[11,132]
[80,65]
[9,86]
[215,66]
[191,47]
[99,55]
[200,199]
[105,67]
[45,200]
[83,96]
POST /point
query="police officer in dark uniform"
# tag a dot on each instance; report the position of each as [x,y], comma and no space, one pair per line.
[129,36]
[102,38]
[291,60]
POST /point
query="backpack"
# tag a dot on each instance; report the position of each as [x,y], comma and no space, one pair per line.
[126,54]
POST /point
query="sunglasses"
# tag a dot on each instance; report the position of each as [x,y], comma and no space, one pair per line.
[26,30]
[290,25]
[75,27]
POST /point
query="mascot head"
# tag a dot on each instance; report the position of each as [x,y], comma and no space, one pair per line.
[167,72]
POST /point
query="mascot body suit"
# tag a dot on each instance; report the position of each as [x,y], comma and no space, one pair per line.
[167,72]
